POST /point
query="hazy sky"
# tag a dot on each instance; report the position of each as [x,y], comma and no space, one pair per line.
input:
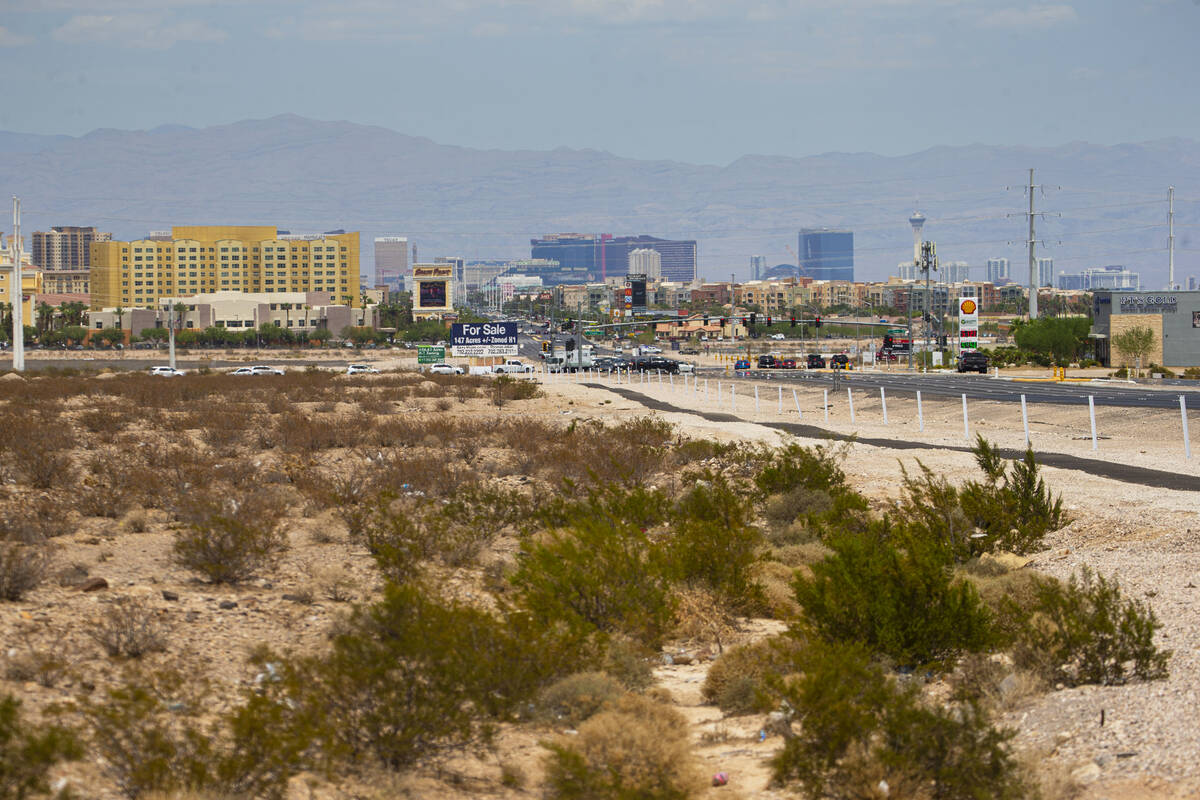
[694,80]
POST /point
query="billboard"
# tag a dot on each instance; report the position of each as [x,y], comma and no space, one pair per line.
[968,323]
[431,294]
[483,339]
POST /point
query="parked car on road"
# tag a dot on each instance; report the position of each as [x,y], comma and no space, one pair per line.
[787,363]
[816,361]
[766,362]
[445,369]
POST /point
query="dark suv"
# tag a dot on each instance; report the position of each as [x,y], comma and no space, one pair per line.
[973,361]
[840,361]
[656,363]
[766,362]
[815,361]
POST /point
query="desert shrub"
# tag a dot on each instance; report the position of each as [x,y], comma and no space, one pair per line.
[1011,509]
[737,682]
[600,570]
[628,662]
[414,676]
[896,596]
[814,468]
[638,749]
[715,542]
[41,455]
[22,567]
[856,727]
[150,733]
[28,750]
[129,628]
[988,680]
[401,534]
[1192,373]
[1087,631]
[228,539]
[575,698]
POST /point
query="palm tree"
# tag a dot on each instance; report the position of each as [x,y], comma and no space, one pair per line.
[119,313]
[44,316]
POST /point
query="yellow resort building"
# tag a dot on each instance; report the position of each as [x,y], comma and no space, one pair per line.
[203,259]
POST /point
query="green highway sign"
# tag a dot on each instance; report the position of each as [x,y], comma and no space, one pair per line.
[430,355]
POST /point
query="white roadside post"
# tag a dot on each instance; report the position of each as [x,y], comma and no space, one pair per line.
[1092,416]
[756,409]
[1187,443]
[826,391]
[966,425]
[920,414]
[720,394]
[1025,419]
[732,397]
[796,400]
[780,411]
[883,402]
[850,402]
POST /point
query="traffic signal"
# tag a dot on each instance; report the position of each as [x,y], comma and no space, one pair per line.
[887,341]
[753,318]
[724,322]
[545,347]
[793,320]
[768,322]
[706,321]
[570,345]
[567,325]
[818,322]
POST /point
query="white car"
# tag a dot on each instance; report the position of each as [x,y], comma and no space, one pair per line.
[166,372]
[360,369]
[244,371]
[779,336]
[263,369]
[685,367]
[445,369]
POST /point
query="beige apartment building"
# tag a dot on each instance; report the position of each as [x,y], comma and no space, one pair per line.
[202,259]
[66,246]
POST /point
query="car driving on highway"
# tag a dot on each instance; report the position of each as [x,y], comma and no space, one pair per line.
[973,361]
[445,369]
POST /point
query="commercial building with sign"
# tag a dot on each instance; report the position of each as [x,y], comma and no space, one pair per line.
[433,290]
[1173,317]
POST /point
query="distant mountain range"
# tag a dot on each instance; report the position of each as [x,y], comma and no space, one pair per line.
[309,175]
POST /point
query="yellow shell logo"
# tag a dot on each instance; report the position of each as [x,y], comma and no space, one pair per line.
[967,307]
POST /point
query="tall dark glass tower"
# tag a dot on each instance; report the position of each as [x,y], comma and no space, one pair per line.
[827,255]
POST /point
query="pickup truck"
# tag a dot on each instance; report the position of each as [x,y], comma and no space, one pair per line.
[513,366]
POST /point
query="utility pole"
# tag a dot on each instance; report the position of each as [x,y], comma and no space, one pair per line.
[17,293]
[1171,239]
[1033,293]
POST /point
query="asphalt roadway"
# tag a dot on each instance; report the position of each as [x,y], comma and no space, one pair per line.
[1159,479]
[985,387]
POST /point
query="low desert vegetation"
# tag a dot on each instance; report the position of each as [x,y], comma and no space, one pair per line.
[493,570]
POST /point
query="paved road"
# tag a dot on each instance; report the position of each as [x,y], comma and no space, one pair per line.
[1159,479]
[980,387]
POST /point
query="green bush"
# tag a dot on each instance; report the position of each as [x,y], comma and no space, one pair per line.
[228,539]
[151,736]
[638,749]
[28,750]
[600,571]
[1087,632]
[715,542]
[1011,509]
[1192,373]
[857,727]
[413,676]
[894,595]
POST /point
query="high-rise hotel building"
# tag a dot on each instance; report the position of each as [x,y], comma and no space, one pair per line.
[196,259]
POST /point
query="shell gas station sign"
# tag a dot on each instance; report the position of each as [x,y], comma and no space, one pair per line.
[968,323]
